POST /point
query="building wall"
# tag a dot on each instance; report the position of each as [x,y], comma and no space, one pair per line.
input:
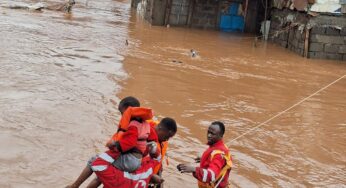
[252,17]
[159,11]
[288,29]
[179,12]
[206,14]
[144,7]
[203,14]
[285,34]
[328,43]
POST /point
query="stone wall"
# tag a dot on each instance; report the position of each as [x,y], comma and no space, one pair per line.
[291,38]
[327,38]
[288,34]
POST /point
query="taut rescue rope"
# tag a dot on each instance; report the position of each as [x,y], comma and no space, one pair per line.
[282,112]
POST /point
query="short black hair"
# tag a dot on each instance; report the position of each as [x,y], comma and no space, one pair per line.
[129,101]
[169,124]
[221,126]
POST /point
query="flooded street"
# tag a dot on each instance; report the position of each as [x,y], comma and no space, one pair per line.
[244,86]
[58,73]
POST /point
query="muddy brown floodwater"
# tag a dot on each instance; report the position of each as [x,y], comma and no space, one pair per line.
[58,73]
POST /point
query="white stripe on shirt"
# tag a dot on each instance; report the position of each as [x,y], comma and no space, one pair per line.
[212,174]
[205,175]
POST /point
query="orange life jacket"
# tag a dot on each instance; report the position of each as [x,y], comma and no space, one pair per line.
[131,112]
[143,133]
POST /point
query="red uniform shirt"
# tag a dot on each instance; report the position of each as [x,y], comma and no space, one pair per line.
[162,147]
[111,177]
[211,167]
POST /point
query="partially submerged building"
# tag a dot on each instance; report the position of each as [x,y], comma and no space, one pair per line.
[311,28]
[235,15]
[314,29]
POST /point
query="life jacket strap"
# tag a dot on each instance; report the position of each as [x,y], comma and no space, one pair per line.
[223,171]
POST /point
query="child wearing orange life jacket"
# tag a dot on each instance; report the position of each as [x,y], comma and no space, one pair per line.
[111,177]
[129,144]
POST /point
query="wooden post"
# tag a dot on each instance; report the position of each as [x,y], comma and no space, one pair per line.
[192,12]
[191,8]
[151,18]
[265,21]
[168,11]
[245,13]
[217,17]
[306,45]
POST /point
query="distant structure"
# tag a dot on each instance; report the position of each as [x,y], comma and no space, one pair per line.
[66,7]
[310,28]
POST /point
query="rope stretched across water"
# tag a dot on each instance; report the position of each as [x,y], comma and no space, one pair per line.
[282,112]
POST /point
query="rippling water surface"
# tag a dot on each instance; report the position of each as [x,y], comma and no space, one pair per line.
[58,73]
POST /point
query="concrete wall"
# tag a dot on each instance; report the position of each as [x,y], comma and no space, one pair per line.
[179,12]
[325,42]
[195,13]
[159,11]
[206,14]
[328,43]
[145,8]
[199,14]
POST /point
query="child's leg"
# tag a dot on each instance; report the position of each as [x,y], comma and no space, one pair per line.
[86,173]
[128,162]
[94,183]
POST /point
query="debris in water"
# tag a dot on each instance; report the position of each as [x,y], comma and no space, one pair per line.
[175,61]
[67,7]
[255,42]
[193,53]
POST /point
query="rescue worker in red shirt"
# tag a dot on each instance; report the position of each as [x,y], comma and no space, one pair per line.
[163,146]
[130,141]
[215,163]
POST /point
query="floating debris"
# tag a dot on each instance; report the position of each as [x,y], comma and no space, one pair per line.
[175,61]
[193,53]
[67,7]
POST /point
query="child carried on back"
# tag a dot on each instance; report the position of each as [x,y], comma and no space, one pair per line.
[128,145]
